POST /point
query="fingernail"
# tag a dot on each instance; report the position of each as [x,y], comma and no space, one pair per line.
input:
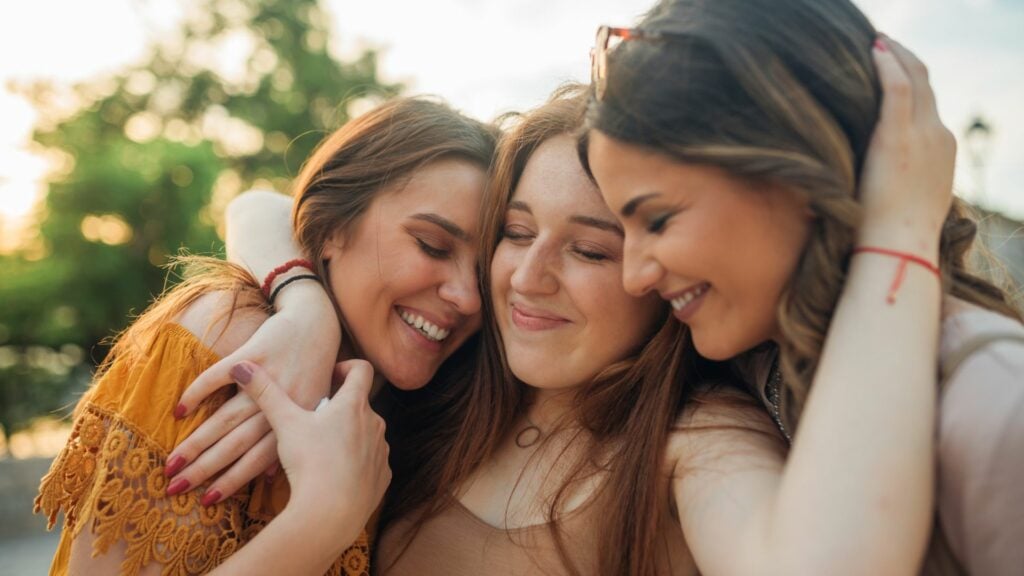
[177,487]
[179,411]
[210,498]
[241,373]
[174,466]
[880,45]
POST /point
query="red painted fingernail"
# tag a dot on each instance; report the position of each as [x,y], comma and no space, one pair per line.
[210,498]
[241,373]
[174,466]
[177,487]
[179,411]
[880,45]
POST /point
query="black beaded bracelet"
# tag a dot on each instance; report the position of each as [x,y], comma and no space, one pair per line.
[287,281]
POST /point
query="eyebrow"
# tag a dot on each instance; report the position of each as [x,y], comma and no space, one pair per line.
[575,219]
[448,226]
[520,205]
[598,223]
[630,208]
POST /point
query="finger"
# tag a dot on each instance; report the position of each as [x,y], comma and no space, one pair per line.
[272,400]
[229,416]
[249,466]
[211,380]
[924,96]
[357,381]
[897,96]
[224,453]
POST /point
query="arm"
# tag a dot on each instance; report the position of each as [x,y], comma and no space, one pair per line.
[855,495]
[237,440]
[259,231]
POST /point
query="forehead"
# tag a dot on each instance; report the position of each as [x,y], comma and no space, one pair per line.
[450,186]
[554,180]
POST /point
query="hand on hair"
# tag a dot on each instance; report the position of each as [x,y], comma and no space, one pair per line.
[906,184]
[336,458]
[298,347]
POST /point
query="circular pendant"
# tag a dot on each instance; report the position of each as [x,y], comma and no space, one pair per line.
[528,436]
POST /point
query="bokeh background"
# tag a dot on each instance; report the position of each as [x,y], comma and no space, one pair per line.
[126,126]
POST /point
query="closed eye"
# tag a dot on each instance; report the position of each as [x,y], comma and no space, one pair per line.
[657,224]
[433,251]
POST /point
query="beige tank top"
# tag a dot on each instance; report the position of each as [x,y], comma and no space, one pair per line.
[458,543]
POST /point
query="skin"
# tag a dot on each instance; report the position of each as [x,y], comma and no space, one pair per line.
[413,251]
[555,276]
[676,241]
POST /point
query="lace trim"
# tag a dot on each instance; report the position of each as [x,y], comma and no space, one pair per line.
[111,473]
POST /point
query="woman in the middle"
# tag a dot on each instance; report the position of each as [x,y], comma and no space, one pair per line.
[514,477]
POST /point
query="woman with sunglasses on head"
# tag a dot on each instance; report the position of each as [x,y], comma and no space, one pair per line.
[385,213]
[761,162]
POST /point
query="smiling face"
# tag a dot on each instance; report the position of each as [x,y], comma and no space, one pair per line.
[720,249]
[404,276]
[556,277]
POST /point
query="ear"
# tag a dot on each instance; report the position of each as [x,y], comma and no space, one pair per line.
[335,246]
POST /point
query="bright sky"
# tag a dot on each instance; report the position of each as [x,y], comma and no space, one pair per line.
[490,56]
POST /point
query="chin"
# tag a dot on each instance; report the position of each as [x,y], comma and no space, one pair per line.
[404,380]
[714,349]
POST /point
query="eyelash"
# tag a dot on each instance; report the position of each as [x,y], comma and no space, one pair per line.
[591,256]
[657,225]
[431,251]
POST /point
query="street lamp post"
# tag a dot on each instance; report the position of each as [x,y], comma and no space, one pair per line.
[978,144]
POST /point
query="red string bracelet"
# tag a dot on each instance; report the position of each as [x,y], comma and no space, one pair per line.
[901,272]
[296,263]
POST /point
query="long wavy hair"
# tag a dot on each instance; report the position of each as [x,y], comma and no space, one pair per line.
[625,414]
[334,188]
[784,92]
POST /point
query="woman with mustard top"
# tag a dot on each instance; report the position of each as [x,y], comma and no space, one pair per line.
[386,209]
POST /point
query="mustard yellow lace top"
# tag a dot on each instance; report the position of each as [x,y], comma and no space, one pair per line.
[110,475]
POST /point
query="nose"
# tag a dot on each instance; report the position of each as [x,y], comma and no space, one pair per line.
[533,274]
[640,271]
[461,290]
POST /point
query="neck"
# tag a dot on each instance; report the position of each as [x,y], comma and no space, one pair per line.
[549,408]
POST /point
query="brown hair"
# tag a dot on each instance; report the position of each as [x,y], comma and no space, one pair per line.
[778,91]
[628,410]
[335,187]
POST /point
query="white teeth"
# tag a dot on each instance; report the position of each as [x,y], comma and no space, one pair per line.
[426,328]
[680,302]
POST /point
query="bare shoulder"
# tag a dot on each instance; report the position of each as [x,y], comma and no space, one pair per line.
[218,321]
[724,422]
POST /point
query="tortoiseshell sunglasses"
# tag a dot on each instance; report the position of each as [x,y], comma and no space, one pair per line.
[608,37]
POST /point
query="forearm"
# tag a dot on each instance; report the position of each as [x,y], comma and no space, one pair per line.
[298,541]
[856,494]
[259,232]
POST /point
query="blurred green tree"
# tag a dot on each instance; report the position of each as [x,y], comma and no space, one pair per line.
[145,162]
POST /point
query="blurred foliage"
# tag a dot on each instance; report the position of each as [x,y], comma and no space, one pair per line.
[144,163]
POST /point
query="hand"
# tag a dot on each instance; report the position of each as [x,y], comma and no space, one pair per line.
[336,459]
[298,346]
[906,185]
